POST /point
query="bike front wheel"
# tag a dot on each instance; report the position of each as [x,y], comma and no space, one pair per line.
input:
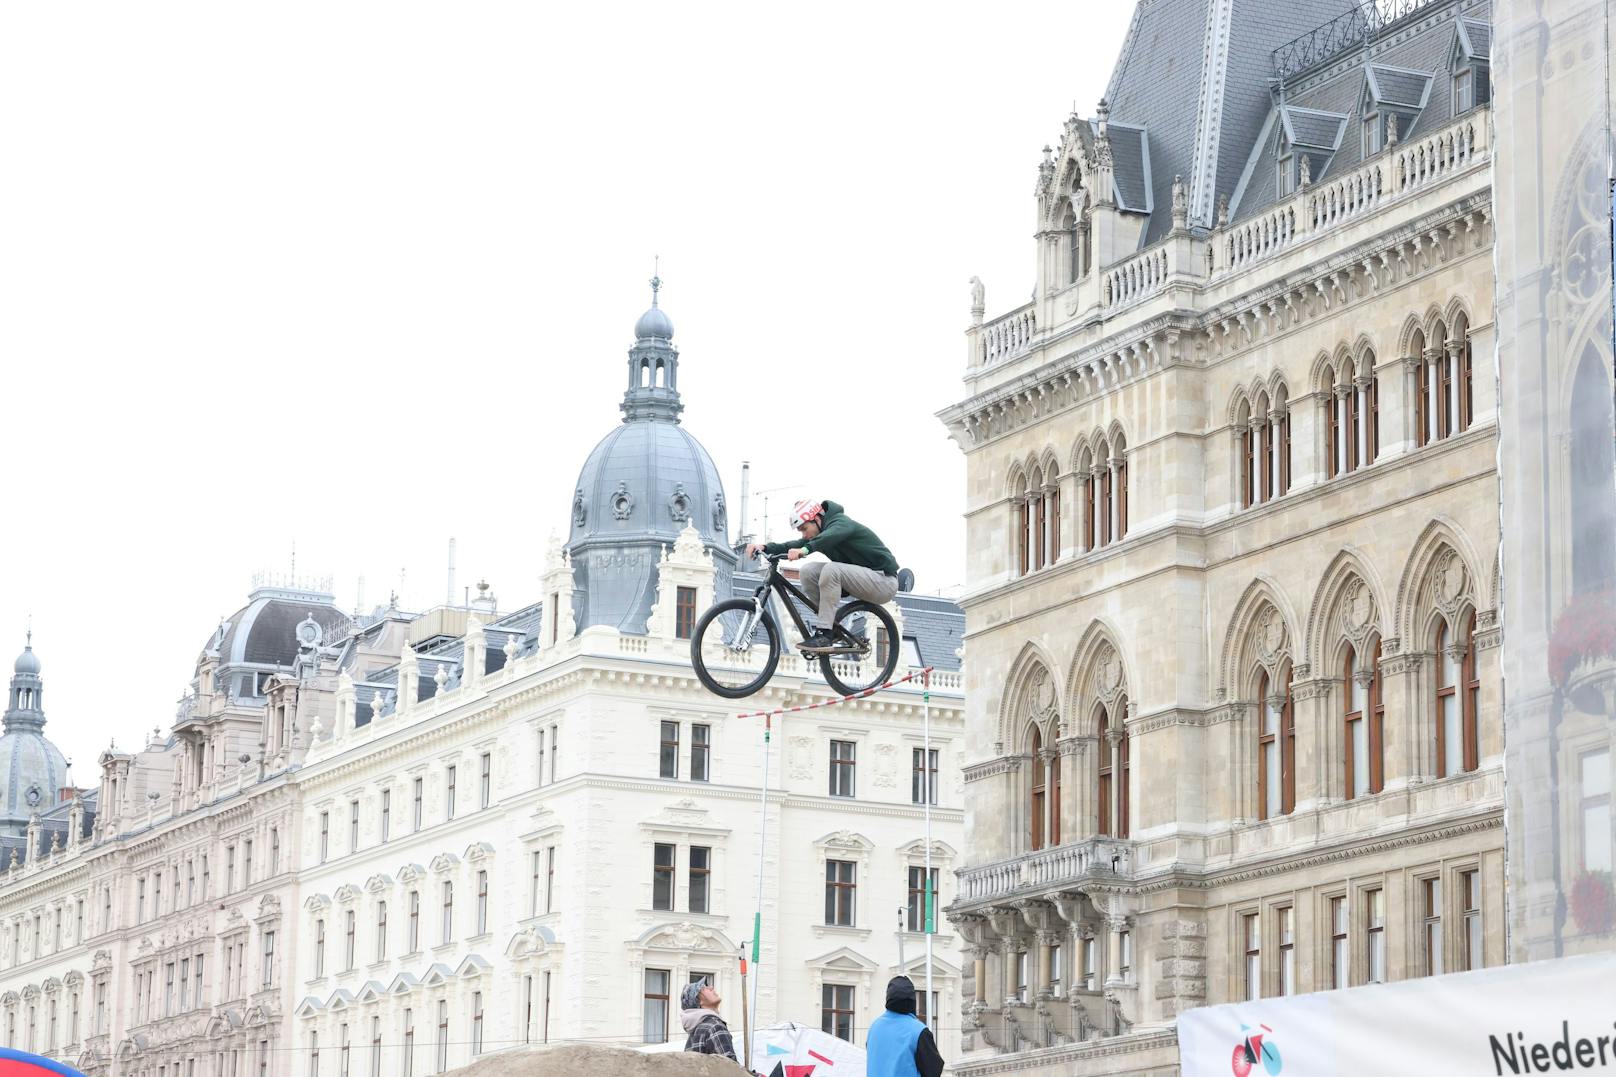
[851,674]
[735,648]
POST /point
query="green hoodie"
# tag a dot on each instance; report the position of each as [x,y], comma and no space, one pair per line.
[842,538]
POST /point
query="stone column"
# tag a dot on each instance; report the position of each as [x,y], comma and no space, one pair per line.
[1451,358]
[1113,737]
[1344,450]
[1052,509]
[1276,449]
[1115,508]
[1082,514]
[1317,761]
[1361,387]
[1076,788]
[1433,357]
[1406,744]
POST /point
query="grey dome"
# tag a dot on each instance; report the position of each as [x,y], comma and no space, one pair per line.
[637,490]
[27,662]
[32,773]
[654,323]
[264,632]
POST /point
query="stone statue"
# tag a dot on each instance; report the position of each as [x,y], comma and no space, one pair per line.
[1223,211]
[1391,129]
[1307,170]
[1181,202]
[978,301]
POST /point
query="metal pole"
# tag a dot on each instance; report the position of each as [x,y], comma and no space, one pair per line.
[900,939]
[931,898]
[757,915]
[746,1020]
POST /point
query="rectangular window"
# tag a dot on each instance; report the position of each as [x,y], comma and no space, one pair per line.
[654,1021]
[1287,950]
[1125,954]
[274,850]
[314,1054]
[555,750]
[1057,970]
[387,814]
[1251,937]
[1431,926]
[1374,905]
[923,776]
[536,882]
[381,931]
[840,888]
[448,911]
[669,762]
[268,978]
[1470,956]
[836,1011]
[325,842]
[1287,176]
[842,763]
[1021,976]
[319,948]
[349,930]
[168,989]
[449,793]
[549,882]
[485,781]
[343,1057]
[1594,771]
[1464,97]
[409,1042]
[415,921]
[916,920]
[1372,132]
[684,614]
[1090,965]
[476,1023]
[416,810]
[701,747]
[1339,959]
[375,1047]
[541,757]
[662,877]
[443,1035]
[246,862]
[482,902]
[701,859]
[140,911]
[353,826]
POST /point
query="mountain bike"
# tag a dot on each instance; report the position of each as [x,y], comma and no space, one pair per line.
[737,643]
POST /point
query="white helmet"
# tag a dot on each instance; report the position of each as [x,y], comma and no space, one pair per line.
[804,511]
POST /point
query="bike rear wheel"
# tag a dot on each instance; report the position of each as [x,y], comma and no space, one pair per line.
[730,657]
[852,674]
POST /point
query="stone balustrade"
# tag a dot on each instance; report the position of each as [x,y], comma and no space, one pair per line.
[1006,337]
[1134,278]
[1045,869]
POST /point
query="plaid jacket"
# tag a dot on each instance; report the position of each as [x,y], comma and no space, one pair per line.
[711,1037]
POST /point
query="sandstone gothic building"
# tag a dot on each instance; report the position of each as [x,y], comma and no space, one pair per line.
[1233,698]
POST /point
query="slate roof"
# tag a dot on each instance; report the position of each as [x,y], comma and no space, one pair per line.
[1199,123]
[1396,68]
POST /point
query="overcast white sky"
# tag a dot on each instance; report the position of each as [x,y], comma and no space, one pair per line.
[362,277]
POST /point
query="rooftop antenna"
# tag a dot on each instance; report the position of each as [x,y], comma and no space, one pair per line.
[746,493]
[448,599]
[656,277]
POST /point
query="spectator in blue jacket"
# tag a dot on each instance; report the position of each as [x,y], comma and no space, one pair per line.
[899,1045]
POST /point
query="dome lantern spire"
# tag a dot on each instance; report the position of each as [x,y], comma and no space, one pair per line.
[653,366]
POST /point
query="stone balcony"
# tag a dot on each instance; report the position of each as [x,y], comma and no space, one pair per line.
[1046,871]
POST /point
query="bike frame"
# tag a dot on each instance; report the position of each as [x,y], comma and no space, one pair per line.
[776,583]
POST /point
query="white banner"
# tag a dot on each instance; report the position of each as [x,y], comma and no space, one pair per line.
[791,1050]
[1544,1017]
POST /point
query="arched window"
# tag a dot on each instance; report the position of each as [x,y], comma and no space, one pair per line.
[1088,479]
[1123,767]
[1369,406]
[1422,387]
[1276,748]
[1458,695]
[1334,445]
[1365,707]
[1055,799]
[1121,456]
[1035,806]
[1265,448]
[1593,508]
[1464,398]
[1102,786]
[1052,495]
[1445,355]
[1282,443]
[1245,424]
[1102,498]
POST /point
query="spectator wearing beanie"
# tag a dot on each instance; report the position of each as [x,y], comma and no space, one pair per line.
[707,1032]
[899,1045]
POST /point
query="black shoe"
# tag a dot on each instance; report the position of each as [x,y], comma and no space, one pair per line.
[820,642]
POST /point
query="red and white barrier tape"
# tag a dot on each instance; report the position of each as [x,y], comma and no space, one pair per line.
[841,699]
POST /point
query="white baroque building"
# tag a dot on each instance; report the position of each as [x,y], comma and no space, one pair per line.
[1233,708]
[399,841]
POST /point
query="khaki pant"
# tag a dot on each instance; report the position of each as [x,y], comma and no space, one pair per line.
[824,581]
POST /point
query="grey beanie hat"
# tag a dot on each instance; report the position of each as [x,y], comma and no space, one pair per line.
[690,997]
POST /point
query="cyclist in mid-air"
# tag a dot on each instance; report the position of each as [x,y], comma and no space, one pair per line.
[860,564]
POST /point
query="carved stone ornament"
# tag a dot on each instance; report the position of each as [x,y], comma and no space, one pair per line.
[720,516]
[1270,636]
[1357,611]
[1040,695]
[580,508]
[622,502]
[1450,582]
[678,504]
[1108,677]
